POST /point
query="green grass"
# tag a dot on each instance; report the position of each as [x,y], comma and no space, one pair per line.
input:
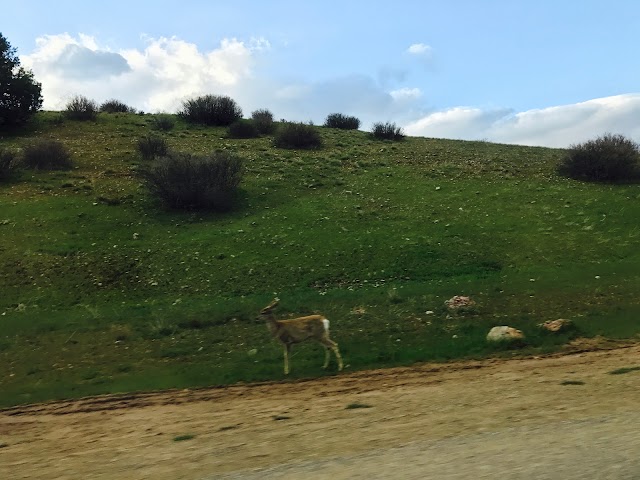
[182,438]
[104,291]
[355,405]
[623,370]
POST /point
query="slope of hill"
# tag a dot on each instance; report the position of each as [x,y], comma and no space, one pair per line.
[104,291]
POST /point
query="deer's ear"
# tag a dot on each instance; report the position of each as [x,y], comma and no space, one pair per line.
[271,306]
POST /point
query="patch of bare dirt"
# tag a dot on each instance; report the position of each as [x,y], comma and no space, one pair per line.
[454,413]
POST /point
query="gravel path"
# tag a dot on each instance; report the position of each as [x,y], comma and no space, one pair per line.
[559,417]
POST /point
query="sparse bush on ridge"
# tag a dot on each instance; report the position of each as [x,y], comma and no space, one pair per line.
[243,129]
[344,122]
[297,135]
[152,146]
[81,108]
[609,158]
[213,110]
[9,163]
[263,120]
[387,131]
[116,106]
[47,154]
[195,182]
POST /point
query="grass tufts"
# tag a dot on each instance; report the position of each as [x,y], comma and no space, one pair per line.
[47,154]
[9,163]
[623,370]
[152,146]
[163,122]
[297,135]
[572,382]
[185,181]
[116,106]
[263,121]
[243,129]
[387,131]
[344,122]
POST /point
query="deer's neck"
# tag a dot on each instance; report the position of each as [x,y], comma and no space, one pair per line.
[272,324]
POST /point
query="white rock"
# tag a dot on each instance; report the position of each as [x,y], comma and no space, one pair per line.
[504,333]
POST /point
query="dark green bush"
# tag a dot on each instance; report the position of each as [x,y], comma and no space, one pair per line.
[297,135]
[81,108]
[610,158]
[8,163]
[47,154]
[116,106]
[212,110]
[152,146]
[243,129]
[20,94]
[263,120]
[193,182]
[163,122]
[338,120]
[387,131]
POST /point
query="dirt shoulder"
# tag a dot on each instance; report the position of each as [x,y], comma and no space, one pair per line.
[450,412]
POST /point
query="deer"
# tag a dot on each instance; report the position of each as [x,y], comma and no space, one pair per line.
[296,330]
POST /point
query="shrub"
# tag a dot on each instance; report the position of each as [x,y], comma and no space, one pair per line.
[243,129]
[163,122]
[213,110]
[610,158]
[116,106]
[152,146]
[81,108]
[194,182]
[387,131]
[47,154]
[8,163]
[263,120]
[338,120]
[297,135]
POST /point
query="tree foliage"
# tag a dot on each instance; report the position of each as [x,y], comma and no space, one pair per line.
[20,94]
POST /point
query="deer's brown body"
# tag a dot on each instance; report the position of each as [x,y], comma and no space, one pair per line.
[296,330]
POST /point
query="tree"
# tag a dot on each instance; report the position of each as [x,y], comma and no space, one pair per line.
[20,94]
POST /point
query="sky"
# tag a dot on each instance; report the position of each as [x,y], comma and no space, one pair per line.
[548,73]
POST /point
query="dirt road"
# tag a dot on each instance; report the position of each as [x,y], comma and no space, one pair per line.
[564,417]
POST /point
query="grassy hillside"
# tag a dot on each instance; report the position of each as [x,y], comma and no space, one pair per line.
[104,291]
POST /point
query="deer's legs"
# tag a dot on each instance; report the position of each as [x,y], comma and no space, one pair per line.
[326,357]
[287,349]
[330,344]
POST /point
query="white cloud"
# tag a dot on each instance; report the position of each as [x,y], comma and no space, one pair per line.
[457,123]
[159,77]
[406,93]
[420,49]
[421,53]
[558,126]
[166,71]
[357,95]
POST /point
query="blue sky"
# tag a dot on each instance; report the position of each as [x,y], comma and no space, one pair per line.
[532,72]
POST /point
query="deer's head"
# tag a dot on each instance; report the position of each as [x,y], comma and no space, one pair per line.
[268,310]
